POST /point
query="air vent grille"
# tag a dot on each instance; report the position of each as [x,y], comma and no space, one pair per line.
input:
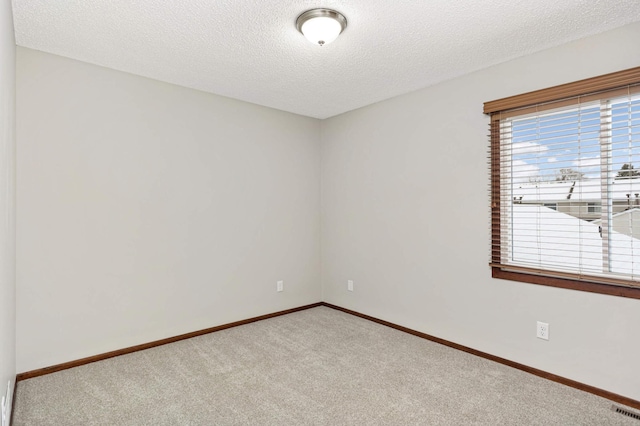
[626,412]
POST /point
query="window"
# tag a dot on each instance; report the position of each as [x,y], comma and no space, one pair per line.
[594,208]
[565,163]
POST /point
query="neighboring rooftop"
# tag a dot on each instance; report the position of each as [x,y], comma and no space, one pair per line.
[566,243]
[580,190]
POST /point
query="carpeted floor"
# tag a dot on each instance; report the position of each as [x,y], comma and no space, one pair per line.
[314,367]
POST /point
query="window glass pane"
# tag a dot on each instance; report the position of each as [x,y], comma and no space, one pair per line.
[573,197]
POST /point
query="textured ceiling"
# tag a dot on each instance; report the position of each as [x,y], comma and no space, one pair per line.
[251,50]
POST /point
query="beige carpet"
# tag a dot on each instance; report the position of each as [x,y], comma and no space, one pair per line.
[315,367]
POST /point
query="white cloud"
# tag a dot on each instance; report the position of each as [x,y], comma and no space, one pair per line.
[520,148]
[590,166]
[552,160]
[524,172]
[587,163]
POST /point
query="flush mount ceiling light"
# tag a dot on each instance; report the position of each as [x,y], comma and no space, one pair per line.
[321,26]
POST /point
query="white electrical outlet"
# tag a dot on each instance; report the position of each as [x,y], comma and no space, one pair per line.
[350,285]
[542,330]
[280,286]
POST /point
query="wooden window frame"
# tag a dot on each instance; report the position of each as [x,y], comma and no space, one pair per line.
[569,91]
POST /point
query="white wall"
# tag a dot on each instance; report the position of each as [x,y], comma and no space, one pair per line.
[7,200]
[147,210]
[405,215]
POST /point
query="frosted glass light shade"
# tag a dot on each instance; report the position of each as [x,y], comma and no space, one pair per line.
[321,26]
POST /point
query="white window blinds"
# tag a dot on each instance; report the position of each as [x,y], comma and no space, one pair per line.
[570,188]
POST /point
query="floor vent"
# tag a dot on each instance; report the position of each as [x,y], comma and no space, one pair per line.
[626,412]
